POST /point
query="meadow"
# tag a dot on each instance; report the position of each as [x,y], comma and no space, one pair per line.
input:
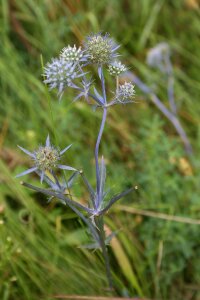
[156,252]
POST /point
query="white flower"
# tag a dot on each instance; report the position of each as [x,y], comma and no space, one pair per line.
[116,68]
[60,73]
[126,93]
[72,54]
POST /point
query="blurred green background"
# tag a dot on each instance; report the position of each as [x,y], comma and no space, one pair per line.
[39,242]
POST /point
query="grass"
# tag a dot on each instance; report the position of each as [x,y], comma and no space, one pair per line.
[39,246]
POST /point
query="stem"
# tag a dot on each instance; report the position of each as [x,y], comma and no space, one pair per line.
[100,224]
[96,153]
[170,90]
[170,84]
[103,85]
[117,83]
[168,114]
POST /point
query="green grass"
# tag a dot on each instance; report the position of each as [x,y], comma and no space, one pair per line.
[39,254]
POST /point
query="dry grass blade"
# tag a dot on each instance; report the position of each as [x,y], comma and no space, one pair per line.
[76,297]
[158,215]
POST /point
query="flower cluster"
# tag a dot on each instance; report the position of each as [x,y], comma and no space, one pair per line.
[99,50]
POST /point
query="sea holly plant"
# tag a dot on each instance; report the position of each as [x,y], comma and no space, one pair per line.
[72,70]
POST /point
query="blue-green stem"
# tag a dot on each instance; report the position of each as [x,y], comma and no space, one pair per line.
[97,155]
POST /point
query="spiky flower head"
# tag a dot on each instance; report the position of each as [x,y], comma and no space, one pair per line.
[45,158]
[126,92]
[60,73]
[116,68]
[72,54]
[158,56]
[100,49]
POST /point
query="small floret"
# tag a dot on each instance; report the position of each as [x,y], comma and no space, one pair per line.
[116,68]
[126,93]
[73,54]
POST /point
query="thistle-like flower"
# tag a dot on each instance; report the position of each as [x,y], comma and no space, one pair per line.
[116,68]
[101,49]
[46,158]
[158,57]
[72,54]
[125,93]
[60,73]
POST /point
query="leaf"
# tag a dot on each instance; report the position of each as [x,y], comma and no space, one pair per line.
[90,189]
[72,178]
[115,199]
[111,236]
[100,72]
[65,149]
[26,151]
[63,167]
[91,246]
[48,144]
[98,95]
[94,107]
[27,172]
[59,196]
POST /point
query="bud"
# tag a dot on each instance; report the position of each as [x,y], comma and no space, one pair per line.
[72,54]
[126,92]
[116,68]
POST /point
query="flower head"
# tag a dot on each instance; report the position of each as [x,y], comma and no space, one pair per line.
[116,68]
[72,54]
[158,57]
[126,93]
[60,73]
[100,49]
[45,158]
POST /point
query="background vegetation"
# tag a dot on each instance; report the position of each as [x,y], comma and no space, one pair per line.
[151,257]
